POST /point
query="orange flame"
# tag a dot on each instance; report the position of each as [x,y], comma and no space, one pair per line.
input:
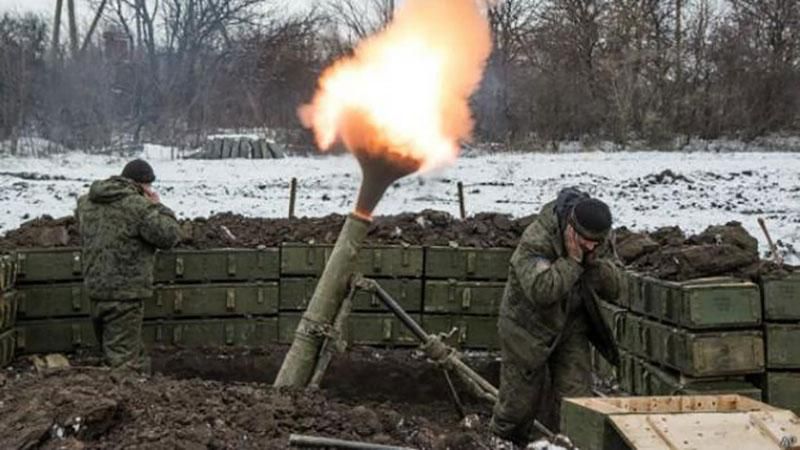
[404,93]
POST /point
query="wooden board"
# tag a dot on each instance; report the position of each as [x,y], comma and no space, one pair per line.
[759,430]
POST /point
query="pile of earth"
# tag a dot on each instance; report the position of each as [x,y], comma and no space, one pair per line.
[666,253]
[85,406]
[233,230]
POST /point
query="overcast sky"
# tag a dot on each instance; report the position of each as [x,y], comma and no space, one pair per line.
[84,12]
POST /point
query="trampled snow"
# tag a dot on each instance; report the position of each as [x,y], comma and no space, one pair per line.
[703,188]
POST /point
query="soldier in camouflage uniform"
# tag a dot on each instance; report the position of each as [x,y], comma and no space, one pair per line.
[122,223]
[549,313]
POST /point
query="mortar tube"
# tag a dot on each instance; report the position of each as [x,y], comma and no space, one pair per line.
[301,359]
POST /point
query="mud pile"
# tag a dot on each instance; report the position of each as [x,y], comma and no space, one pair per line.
[91,407]
[232,230]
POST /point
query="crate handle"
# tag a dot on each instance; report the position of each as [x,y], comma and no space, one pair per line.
[22,259]
[230,334]
[472,259]
[377,260]
[230,299]
[178,304]
[462,333]
[466,298]
[20,338]
[231,265]
[179,266]
[77,338]
[405,259]
[261,295]
[387,329]
[77,298]
[77,269]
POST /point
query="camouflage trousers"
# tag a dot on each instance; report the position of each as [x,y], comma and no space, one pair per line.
[533,388]
[118,327]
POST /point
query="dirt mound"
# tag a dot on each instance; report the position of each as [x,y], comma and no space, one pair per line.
[91,407]
[668,254]
[232,230]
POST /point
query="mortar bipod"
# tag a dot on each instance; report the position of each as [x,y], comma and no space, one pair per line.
[446,356]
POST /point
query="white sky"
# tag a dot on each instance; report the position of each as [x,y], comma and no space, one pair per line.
[84,11]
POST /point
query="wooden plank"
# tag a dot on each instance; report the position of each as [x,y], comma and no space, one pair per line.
[701,431]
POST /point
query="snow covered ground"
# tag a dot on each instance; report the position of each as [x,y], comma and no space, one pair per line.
[703,188]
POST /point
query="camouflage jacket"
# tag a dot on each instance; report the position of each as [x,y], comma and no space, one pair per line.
[544,294]
[120,231]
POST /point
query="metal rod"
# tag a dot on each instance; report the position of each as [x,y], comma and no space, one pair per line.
[454,394]
[390,303]
[300,440]
[292,196]
[461,206]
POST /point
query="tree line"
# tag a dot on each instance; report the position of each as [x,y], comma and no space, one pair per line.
[173,71]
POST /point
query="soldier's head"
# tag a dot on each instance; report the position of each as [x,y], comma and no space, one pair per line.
[140,172]
[591,219]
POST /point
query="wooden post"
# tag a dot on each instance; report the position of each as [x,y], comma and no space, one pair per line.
[292,196]
[461,207]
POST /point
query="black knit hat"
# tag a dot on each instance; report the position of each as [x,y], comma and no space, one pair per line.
[591,219]
[139,171]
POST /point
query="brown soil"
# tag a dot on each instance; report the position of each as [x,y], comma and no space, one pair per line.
[232,230]
[90,407]
[665,253]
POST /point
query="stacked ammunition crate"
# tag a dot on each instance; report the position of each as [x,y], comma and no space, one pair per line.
[398,269]
[463,289]
[202,298]
[8,309]
[697,337]
[781,382]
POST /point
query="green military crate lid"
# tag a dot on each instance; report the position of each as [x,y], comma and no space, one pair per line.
[783,345]
[9,306]
[211,333]
[7,347]
[389,261]
[781,297]
[38,301]
[467,263]
[705,303]
[783,389]
[469,332]
[217,265]
[213,300]
[55,336]
[48,265]
[704,353]
[662,381]
[378,329]
[463,297]
[295,294]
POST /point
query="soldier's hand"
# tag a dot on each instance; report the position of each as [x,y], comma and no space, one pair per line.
[572,244]
[152,195]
